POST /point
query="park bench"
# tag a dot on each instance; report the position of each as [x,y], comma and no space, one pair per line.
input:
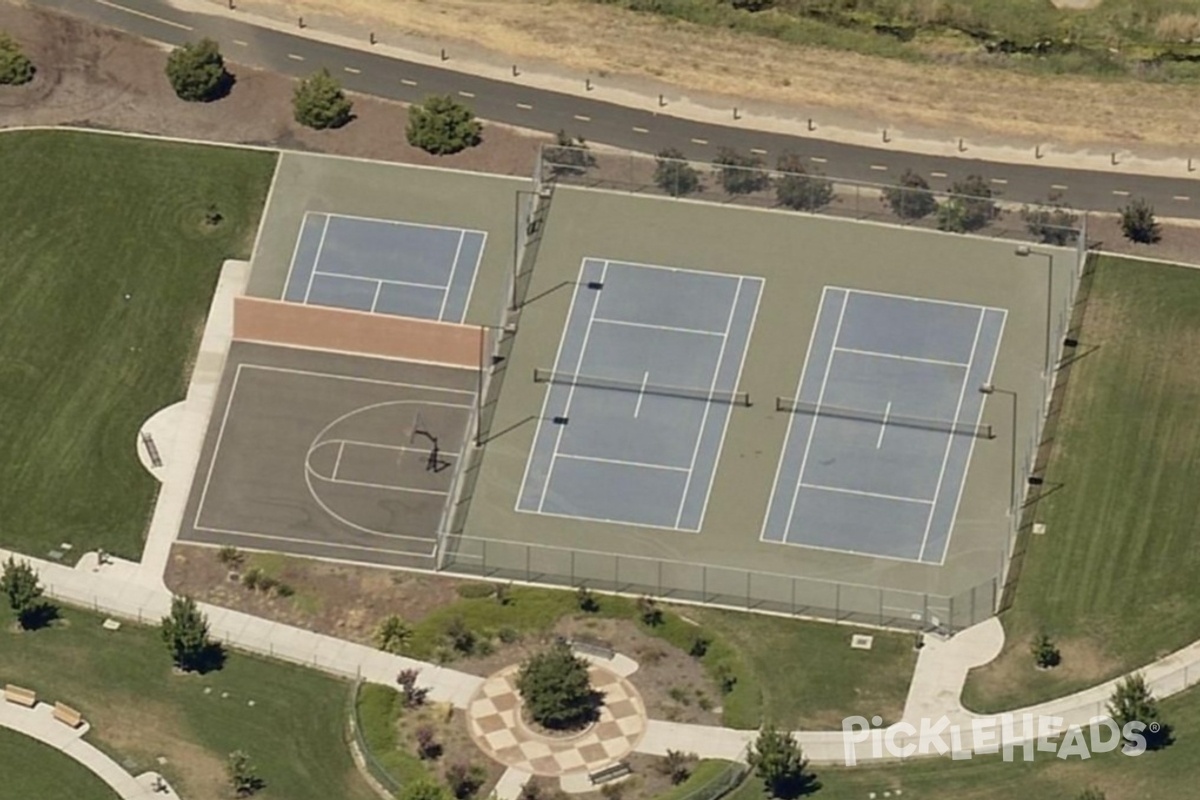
[611,772]
[593,647]
[20,696]
[67,715]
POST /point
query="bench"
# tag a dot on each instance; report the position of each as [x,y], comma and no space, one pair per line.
[67,715]
[20,696]
[611,772]
[593,647]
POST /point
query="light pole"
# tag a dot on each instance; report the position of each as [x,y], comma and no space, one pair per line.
[989,388]
[1024,251]
[519,232]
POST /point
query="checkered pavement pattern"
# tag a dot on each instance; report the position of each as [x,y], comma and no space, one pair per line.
[494,721]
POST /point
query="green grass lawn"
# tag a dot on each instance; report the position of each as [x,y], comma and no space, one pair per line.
[30,769]
[1113,579]
[1168,773]
[140,710]
[89,218]
[797,673]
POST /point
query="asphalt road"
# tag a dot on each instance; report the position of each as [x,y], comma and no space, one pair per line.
[607,123]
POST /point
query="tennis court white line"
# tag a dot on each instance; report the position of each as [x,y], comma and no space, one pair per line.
[621,462]
[348,276]
[537,434]
[338,461]
[887,412]
[671,328]
[787,438]
[712,387]
[962,393]
[923,300]
[812,428]
[637,409]
[317,260]
[566,413]
[664,268]
[405,223]
[377,381]
[212,461]
[881,496]
[450,278]
[375,299]
[899,357]
[295,252]
[474,275]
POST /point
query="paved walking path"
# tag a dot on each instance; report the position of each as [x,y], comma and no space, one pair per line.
[39,723]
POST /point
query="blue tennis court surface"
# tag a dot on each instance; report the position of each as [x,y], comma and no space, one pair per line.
[640,394]
[384,266]
[884,421]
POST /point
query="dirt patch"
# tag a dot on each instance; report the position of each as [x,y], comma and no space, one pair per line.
[143,733]
[1084,663]
[343,601]
[95,77]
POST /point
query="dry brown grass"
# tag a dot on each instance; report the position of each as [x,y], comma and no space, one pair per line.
[843,88]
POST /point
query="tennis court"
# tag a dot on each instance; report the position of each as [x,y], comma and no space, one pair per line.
[883,423]
[640,394]
[384,266]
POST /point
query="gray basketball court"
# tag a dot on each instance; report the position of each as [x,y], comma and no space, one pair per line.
[330,455]
[884,421]
[641,391]
[384,266]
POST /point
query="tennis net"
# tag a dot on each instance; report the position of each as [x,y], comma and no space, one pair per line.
[792,406]
[617,384]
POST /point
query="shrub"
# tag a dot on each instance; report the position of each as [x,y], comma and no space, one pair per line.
[569,156]
[464,779]
[969,208]
[910,198]
[677,765]
[797,190]
[1051,225]
[197,72]
[320,103]
[1138,222]
[475,591]
[442,126]
[1090,793]
[422,789]
[779,762]
[699,646]
[284,589]
[741,174]
[230,556]
[252,578]
[509,635]
[461,638]
[414,696]
[557,690]
[674,175]
[1045,653]
[649,612]
[185,632]
[21,586]
[503,594]
[393,635]
[1133,702]
[15,67]
[428,747]
[242,777]
[726,678]
[266,583]
[586,601]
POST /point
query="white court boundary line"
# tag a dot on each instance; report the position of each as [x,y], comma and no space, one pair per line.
[622,462]
[787,438]
[820,398]
[671,328]
[962,485]
[296,251]
[315,543]
[450,278]
[566,412]
[962,393]
[237,374]
[897,357]
[712,387]
[861,493]
[368,279]
[474,275]
[397,447]
[316,260]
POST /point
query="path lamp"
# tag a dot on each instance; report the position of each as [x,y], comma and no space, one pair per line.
[989,388]
[1024,251]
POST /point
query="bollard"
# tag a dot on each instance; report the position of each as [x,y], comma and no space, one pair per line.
[1190,167]
[373,39]
[662,101]
[736,115]
[231,5]
[587,84]
[444,56]
[962,148]
[1037,151]
[886,138]
[811,126]
[1114,158]
[300,21]
[515,71]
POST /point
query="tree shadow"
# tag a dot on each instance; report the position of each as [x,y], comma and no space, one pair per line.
[802,784]
[223,88]
[210,659]
[37,616]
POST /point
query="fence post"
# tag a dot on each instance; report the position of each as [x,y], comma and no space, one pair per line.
[880,607]
[660,591]
[528,551]
[703,584]
[572,567]
[749,574]
[837,601]
[793,595]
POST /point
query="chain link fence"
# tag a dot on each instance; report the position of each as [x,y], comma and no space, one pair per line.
[376,770]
